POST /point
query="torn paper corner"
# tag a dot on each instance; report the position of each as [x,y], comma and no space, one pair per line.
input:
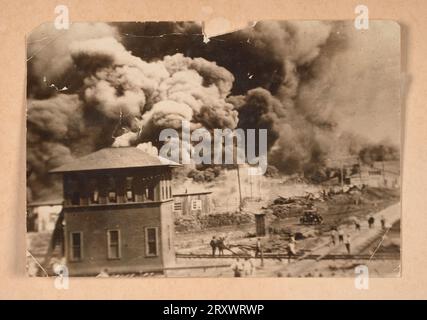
[218,26]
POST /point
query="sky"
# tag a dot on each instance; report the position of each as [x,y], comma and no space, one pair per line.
[372,80]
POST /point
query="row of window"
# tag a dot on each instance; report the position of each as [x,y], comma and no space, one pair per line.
[196,205]
[374,172]
[114,244]
[144,193]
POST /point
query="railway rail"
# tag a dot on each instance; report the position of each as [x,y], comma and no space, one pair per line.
[378,256]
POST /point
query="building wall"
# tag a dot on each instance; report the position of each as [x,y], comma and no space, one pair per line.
[381,180]
[167,234]
[186,204]
[131,220]
[46,217]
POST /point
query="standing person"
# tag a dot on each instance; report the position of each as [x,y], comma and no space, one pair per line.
[258,247]
[347,243]
[357,225]
[237,268]
[371,221]
[221,246]
[248,267]
[340,236]
[213,244]
[334,235]
[383,222]
[291,250]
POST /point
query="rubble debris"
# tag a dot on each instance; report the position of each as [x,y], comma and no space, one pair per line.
[200,222]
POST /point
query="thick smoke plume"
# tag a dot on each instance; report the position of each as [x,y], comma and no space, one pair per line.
[129,99]
[99,85]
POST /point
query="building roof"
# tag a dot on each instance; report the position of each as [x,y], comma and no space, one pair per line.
[55,202]
[114,158]
[190,193]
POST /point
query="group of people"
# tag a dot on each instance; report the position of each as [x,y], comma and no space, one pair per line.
[343,238]
[218,244]
[371,221]
[243,268]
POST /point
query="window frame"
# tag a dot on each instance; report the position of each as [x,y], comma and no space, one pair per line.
[178,201]
[71,246]
[147,254]
[112,199]
[198,207]
[130,180]
[119,244]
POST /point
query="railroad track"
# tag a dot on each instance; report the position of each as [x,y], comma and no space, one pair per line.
[378,256]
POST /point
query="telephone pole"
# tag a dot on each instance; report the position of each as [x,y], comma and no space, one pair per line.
[240,189]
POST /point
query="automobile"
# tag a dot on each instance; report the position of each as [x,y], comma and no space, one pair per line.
[311,217]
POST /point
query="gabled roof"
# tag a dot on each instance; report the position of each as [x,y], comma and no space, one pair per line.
[114,158]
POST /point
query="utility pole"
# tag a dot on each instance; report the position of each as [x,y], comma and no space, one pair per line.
[360,170]
[240,189]
[383,173]
[250,181]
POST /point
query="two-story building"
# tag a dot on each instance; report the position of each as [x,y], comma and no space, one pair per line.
[118,212]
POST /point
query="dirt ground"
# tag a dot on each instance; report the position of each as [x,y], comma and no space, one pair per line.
[340,210]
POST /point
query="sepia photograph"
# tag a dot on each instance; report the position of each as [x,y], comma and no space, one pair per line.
[154,150]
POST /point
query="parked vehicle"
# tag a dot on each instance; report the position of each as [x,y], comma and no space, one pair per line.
[311,217]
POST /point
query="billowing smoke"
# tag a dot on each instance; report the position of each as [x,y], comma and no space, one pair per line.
[379,152]
[121,98]
[155,95]
[99,85]
[294,56]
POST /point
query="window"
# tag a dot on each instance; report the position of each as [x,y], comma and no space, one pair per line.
[167,189]
[95,197]
[112,195]
[177,205]
[129,189]
[150,193]
[75,198]
[76,244]
[375,173]
[151,242]
[94,192]
[196,205]
[162,183]
[113,242]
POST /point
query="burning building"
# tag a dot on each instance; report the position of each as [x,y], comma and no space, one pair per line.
[117,212]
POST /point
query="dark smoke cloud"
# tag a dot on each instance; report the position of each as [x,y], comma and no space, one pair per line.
[127,81]
[119,96]
[380,152]
[259,109]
